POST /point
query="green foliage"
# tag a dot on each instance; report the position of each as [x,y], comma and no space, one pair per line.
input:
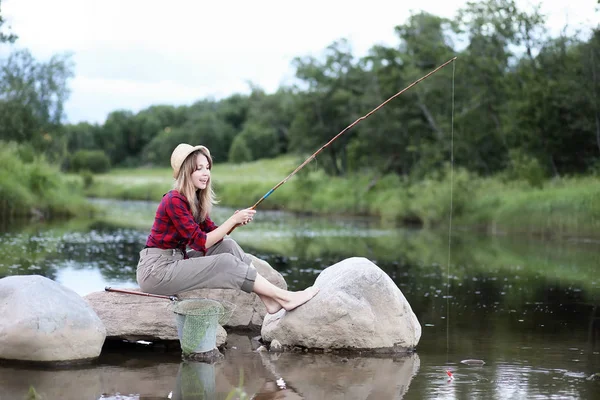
[563,206]
[261,142]
[26,152]
[328,105]
[205,127]
[33,95]
[523,166]
[515,88]
[35,188]
[239,152]
[42,178]
[516,107]
[89,160]
[238,393]
[437,197]
[16,199]
[556,105]
[87,177]
[266,128]
[32,394]
[4,37]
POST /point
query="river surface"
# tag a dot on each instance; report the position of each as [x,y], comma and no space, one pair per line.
[528,308]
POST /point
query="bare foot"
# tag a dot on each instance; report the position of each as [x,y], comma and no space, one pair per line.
[272,305]
[298,298]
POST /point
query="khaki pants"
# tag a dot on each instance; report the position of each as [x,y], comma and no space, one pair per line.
[224,266]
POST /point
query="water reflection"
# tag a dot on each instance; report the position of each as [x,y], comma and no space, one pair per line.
[319,376]
[132,377]
[529,308]
[195,381]
[263,376]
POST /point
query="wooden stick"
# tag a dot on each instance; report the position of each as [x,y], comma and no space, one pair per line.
[158,296]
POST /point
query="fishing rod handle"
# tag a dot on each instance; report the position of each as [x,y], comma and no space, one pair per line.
[252,208]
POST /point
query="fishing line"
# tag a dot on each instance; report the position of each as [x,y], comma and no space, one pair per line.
[450,218]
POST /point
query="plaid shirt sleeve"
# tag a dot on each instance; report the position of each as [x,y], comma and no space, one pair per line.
[208,225]
[178,210]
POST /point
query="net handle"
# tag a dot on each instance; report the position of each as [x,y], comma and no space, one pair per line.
[158,296]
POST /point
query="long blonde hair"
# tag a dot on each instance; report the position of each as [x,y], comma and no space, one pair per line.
[201,200]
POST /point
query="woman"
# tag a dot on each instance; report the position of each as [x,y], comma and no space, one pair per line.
[182,219]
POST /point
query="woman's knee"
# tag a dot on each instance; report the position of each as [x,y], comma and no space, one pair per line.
[230,245]
[227,259]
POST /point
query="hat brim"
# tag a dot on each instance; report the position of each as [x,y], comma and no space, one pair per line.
[181,153]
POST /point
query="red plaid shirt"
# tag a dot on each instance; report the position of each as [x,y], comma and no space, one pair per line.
[174,225]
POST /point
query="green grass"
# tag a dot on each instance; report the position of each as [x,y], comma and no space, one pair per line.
[36,188]
[563,207]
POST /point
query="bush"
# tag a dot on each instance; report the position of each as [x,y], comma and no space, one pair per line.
[437,195]
[239,151]
[87,177]
[526,168]
[42,178]
[95,161]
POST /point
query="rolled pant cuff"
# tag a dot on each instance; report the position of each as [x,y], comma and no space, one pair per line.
[248,283]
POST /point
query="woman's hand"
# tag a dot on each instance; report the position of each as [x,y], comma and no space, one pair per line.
[243,217]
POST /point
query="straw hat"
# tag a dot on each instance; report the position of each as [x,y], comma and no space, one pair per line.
[180,154]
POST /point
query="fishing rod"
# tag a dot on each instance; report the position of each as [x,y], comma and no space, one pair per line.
[158,296]
[314,155]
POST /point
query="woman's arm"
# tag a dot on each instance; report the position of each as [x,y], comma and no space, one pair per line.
[241,217]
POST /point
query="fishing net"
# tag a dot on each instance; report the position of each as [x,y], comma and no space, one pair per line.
[197,321]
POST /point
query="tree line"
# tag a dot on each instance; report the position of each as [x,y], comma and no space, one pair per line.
[516,101]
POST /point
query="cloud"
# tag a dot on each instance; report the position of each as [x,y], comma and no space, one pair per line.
[130,54]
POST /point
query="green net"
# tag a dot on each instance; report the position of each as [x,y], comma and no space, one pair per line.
[197,321]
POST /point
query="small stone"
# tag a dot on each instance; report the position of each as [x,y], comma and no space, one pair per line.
[594,377]
[261,348]
[206,357]
[276,346]
[473,362]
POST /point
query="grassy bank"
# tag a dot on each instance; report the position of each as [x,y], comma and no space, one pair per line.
[564,207]
[31,187]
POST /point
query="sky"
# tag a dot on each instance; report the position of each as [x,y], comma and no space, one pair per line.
[131,54]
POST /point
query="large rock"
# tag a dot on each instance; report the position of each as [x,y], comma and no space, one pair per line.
[132,317]
[358,308]
[45,321]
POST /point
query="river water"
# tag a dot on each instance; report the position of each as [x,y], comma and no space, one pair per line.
[527,307]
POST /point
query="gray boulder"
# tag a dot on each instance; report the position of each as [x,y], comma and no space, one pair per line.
[45,321]
[358,307]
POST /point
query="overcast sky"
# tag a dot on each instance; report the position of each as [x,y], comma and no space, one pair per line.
[131,54]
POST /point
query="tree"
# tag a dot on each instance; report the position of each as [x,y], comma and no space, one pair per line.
[410,134]
[493,30]
[555,105]
[5,37]
[329,104]
[266,128]
[32,95]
